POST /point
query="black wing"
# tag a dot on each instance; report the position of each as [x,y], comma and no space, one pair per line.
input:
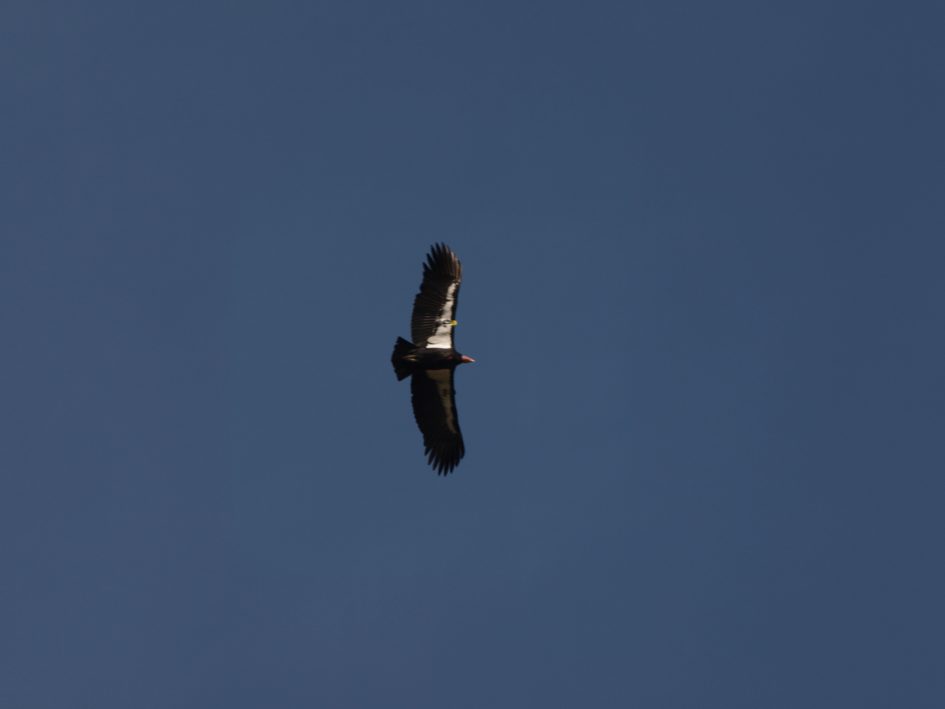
[434,308]
[434,407]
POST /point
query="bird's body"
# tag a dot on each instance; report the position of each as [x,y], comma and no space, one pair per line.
[430,360]
[408,358]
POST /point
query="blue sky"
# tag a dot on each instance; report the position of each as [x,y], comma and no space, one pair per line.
[703,253]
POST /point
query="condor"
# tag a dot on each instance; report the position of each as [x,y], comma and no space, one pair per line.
[431,359]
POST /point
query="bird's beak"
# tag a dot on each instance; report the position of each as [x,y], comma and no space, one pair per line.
[464,358]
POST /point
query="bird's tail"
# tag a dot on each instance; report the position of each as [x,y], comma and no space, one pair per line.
[401,359]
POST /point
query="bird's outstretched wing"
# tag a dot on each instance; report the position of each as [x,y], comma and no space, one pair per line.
[434,308]
[434,407]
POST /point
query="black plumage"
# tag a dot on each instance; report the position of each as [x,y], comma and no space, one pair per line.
[431,359]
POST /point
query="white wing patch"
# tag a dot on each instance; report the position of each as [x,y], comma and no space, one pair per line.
[444,389]
[442,337]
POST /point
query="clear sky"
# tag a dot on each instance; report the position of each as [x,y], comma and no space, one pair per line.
[703,254]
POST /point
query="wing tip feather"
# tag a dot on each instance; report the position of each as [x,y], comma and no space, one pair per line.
[443,260]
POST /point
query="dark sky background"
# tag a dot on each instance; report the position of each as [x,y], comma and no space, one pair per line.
[703,247]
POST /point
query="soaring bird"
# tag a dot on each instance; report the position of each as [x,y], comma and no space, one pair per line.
[431,359]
